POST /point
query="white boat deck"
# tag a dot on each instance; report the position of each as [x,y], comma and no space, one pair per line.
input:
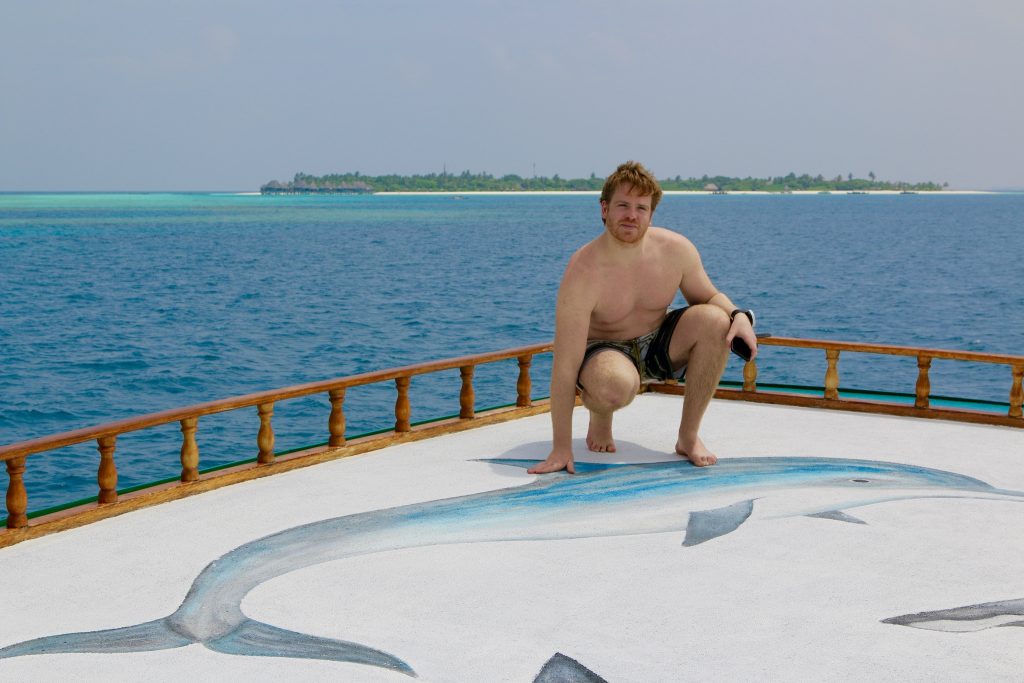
[604,578]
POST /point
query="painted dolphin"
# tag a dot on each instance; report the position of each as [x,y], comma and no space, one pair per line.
[600,500]
[964,619]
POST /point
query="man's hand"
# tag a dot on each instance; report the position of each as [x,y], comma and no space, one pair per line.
[742,328]
[558,460]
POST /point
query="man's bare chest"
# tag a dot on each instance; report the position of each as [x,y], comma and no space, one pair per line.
[628,299]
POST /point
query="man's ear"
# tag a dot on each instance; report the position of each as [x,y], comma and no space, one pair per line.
[604,211]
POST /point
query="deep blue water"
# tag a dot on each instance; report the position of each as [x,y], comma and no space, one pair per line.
[118,305]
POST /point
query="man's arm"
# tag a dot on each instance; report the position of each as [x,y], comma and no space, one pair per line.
[697,288]
[572,323]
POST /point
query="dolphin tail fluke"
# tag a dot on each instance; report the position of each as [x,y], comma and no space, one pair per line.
[256,639]
[151,635]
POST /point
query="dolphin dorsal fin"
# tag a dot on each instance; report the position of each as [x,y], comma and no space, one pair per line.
[704,525]
[562,669]
[837,515]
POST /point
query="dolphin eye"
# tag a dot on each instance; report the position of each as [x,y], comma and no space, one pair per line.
[861,481]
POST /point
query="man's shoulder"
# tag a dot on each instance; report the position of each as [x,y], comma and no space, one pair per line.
[584,258]
[577,290]
[664,237]
[582,271]
[670,241]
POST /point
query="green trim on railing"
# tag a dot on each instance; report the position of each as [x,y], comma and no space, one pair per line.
[900,397]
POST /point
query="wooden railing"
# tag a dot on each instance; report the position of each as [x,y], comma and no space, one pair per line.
[922,390]
[16,455]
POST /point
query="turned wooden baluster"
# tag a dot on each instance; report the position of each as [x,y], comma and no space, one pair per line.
[466,395]
[750,375]
[336,423]
[1016,391]
[189,450]
[265,438]
[924,385]
[107,475]
[832,374]
[17,497]
[523,384]
[402,411]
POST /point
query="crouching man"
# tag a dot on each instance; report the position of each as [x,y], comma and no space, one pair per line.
[613,332]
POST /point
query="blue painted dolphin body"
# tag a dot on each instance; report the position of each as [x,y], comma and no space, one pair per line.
[600,500]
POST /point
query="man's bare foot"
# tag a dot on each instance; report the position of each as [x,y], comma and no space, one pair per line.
[696,452]
[599,435]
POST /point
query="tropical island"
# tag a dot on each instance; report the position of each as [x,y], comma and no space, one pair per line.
[356,183]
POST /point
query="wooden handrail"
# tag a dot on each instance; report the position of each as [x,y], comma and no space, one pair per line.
[15,455]
[922,389]
[338,385]
[69,438]
[50,442]
[891,350]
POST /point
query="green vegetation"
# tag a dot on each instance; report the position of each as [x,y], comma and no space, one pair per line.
[485,182]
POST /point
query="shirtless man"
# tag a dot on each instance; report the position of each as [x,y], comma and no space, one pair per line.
[612,331]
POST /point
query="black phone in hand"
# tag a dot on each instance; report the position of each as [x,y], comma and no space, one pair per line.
[741,348]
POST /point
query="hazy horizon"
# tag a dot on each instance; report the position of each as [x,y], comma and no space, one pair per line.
[225,96]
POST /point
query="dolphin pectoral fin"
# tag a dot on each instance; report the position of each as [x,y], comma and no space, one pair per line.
[151,635]
[837,515]
[256,639]
[704,525]
[562,669]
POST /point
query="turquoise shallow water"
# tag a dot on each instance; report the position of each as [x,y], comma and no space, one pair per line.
[117,305]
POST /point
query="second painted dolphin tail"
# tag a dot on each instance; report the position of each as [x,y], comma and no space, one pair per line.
[967,618]
[250,638]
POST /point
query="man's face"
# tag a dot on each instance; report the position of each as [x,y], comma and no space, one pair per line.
[627,216]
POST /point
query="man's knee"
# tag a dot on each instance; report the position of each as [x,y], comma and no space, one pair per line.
[611,392]
[710,319]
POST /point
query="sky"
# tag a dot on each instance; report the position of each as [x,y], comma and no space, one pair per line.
[139,95]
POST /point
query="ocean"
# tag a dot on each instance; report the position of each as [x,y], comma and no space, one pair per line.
[114,305]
